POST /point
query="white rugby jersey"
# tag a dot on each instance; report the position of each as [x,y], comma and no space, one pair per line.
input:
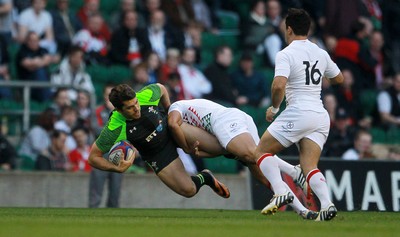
[304,64]
[197,112]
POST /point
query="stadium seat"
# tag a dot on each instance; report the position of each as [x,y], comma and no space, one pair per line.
[12,52]
[378,135]
[27,163]
[368,101]
[212,41]
[393,136]
[221,164]
[228,20]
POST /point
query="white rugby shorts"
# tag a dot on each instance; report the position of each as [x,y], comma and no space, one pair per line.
[293,124]
[231,122]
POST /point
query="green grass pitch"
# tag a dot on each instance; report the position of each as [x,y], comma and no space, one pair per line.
[65,222]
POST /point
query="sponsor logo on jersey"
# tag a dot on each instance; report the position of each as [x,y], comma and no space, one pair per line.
[159,128]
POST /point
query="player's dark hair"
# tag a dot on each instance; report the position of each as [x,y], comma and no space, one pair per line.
[299,20]
[121,93]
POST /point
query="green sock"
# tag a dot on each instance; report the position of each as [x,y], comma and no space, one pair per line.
[202,178]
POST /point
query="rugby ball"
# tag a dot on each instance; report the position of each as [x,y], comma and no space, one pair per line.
[120,150]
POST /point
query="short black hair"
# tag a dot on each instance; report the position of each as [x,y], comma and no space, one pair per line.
[246,56]
[121,93]
[57,133]
[299,20]
[80,127]
[174,76]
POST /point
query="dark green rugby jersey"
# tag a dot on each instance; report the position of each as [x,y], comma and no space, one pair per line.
[149,134]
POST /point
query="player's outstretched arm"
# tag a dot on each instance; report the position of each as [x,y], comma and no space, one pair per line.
[96,160]
[174,123]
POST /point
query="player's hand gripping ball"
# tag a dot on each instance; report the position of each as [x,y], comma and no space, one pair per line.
[121,150]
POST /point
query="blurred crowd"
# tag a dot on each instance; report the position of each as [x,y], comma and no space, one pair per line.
[161,42]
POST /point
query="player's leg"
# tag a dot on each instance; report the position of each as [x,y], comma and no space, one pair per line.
[310,153]
[176,178]
[269,166]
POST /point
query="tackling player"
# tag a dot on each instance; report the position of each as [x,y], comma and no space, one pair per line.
[234,131]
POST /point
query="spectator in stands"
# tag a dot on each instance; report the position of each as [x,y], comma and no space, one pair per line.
[352,53]
[170,65]
[376,43]
[99,177]
[6,21]
[90,8]
[274,13]
[102,112]
[78,157]
[71,73]
[54,158]
[251,83]
[117,17]
[348,97]
[205,12]
[388,102]
[174,86]
[150,7]
[37,19]
[330,103]
[84,109]
[68,120]
[141,76]
[217,73]
[259,35]
[372,10]
[5,92]
[192,36]
[20,5]
[31,146]
[60,99]
[93,41]
[394,153]
[339,13]
[341,135]
[153,62]
[129,44]
[391,29]
[178,12]
[362,147]
[8,153]
[195,84]
[65,25]
[32,64]
[161,36]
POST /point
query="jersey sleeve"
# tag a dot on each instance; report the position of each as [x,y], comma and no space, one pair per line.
[114,131]
[332,70]
[175,107]
[149,95]
[282,65]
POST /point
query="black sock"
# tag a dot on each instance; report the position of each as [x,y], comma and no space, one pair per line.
[202,178]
